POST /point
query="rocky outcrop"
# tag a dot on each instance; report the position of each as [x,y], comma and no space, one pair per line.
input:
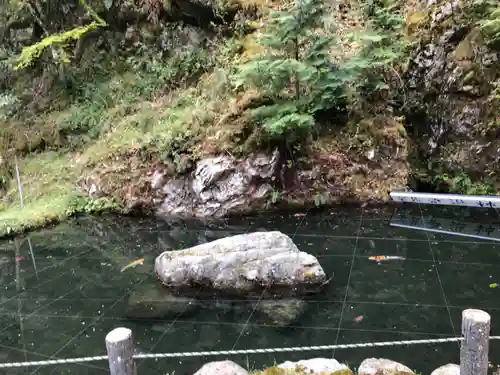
[360,167]
[241,265]
[450,107]
[217,186]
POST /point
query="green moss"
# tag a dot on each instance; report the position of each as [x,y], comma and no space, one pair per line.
[50,194]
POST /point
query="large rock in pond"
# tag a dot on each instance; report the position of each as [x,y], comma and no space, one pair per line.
[243,264]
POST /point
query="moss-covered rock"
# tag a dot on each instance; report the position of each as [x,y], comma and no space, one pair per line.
[451,111]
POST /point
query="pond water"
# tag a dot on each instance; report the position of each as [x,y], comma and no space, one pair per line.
[63,302]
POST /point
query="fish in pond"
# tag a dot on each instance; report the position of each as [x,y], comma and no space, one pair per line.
[381,258]
[136,262]
[359,318]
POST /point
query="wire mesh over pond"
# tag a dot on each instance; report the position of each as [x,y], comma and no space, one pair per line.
[63,304]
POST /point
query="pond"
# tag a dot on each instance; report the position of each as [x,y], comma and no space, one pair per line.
[64,301]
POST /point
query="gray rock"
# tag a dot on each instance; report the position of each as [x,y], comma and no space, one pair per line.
[446,68]
[316,366]
[219,186]
[221,368]
[448,369]
[241,264]
[382,366]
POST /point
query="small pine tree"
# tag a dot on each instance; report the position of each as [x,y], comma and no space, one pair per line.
[299,77]
[296,72]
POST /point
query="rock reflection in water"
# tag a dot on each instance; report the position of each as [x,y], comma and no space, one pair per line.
[153,301]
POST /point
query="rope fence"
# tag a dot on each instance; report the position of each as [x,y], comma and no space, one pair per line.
[121,357]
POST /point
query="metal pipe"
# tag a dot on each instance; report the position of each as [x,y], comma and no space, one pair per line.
[484,201]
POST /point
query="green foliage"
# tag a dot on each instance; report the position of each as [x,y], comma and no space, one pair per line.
[9,104]
[299,76]
[144,76]
[463,184]
[296,72]
[486,14]
[491,26]
[83,205]
[185,64]
[31,53]
[383,44]
[373,72]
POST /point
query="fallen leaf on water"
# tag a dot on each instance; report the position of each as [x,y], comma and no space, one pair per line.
[493,285]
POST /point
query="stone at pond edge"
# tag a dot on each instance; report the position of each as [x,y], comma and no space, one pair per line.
[221,368]
[218,186]
[448,369]
[317,366]
[242,264]
[382,366]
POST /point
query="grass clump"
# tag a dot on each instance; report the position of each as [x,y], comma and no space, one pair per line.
[48,192]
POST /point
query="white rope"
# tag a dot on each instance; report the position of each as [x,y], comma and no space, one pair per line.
[238,352]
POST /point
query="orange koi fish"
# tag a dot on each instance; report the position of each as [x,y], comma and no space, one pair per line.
[136,262]
[380,258]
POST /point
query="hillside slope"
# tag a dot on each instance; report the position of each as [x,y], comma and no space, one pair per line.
[204,108]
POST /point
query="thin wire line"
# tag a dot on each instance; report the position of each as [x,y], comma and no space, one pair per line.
[171,325]
[92,324]
[13,283]
[319,256]
[348,280]
[46,356]
[156,356]
[325,235]
[266,288]
[309,301]
[437,273]
[41,308]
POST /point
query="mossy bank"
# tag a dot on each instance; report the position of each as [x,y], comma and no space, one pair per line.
[204,108]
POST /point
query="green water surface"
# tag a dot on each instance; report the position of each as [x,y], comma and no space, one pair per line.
[63,302]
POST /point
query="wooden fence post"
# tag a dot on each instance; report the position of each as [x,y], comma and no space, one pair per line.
[120,348]
[475,344]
